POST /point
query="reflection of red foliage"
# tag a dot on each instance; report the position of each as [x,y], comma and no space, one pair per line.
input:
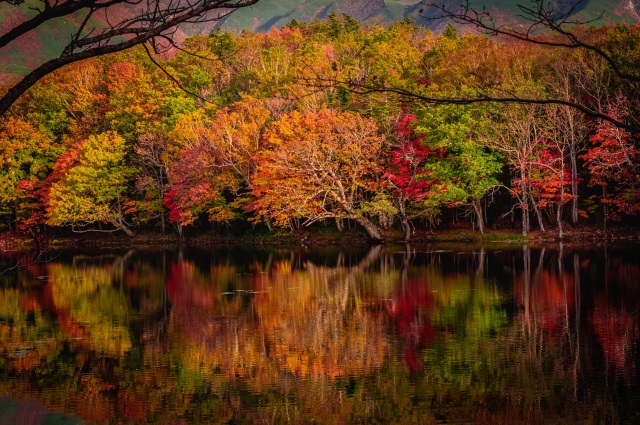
[626,274]
[193,302]
[183,289]
[66,323]
[552,297]
[30,302]
[173,281]
[130,407]
[95,407]
[132,278]
[616,330]
[410,312]
[71,328]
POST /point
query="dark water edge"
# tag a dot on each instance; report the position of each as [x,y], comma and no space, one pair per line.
[321,235]
[437,333]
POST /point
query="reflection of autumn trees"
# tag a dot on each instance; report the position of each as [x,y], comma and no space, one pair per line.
[617,331]
[547,295]
[319,321]
[520,336]
[211,330]
[89,322]
[89,307]
[410,308]
[615,319]
[313,321]
[75,330]
[462,365]
[546,336]
[27,335]
[550,340]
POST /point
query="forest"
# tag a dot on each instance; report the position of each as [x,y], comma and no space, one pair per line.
[329,122]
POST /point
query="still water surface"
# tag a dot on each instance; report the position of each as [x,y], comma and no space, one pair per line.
[441,334]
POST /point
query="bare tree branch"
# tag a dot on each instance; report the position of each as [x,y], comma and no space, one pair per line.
[363,89]
[540,16]
[155,18]
[172,78]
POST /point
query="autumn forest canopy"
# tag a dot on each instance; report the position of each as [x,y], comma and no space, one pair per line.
[330,122]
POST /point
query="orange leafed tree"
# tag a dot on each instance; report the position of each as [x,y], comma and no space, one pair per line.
[318,165]
[219,162]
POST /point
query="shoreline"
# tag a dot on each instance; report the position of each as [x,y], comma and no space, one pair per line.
[321,237]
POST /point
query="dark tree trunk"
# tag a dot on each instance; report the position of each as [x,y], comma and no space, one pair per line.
[406,226]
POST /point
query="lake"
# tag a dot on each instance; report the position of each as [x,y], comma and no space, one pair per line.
[499,334]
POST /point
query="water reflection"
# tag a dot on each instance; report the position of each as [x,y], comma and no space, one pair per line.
[442,334]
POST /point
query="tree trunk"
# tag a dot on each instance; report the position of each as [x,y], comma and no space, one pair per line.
[525,223]
[559,220]
[119,225]
[372,229]
[538,216]
[524,203]
[574,185]
[406,226]
[162,222]
[180,234]
[161,196]
[477,206]
[536,208]
[524,206]
[404,220]
[559,210]
[604,204]
[339,224]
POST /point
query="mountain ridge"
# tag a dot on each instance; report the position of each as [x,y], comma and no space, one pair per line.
[386,12]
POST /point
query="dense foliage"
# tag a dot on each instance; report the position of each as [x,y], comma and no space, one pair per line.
[258,128]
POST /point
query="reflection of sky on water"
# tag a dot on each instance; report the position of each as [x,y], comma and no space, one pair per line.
[445,333]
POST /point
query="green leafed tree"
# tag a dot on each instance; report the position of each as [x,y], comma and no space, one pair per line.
[92,193]
[25,154]
[465,170]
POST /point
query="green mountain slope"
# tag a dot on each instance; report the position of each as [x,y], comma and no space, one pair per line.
[275,13]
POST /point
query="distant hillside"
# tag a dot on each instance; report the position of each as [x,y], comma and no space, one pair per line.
[48,41]
[277,13]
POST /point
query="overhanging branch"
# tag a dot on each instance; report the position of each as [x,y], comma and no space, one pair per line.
[363,89]
[158,18]
[541,15]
